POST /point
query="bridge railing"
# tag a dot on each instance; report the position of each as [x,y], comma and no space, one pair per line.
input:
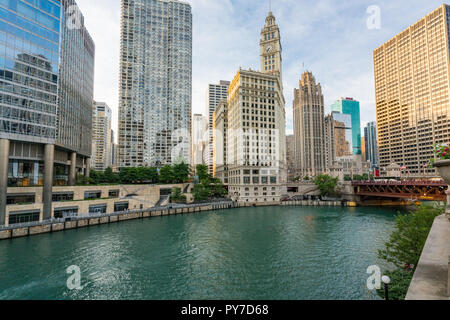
[399,183]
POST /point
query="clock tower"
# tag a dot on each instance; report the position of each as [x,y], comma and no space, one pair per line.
[270,44]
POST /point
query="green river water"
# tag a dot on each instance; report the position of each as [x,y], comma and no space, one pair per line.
[265,253]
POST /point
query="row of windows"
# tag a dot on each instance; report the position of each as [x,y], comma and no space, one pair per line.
[26,103]
[26,129]
[26,10]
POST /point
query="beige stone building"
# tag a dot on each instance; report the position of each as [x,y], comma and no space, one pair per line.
[309,127]
[256,139]
[220,137]
[412,86]
[26,204]
[101,137]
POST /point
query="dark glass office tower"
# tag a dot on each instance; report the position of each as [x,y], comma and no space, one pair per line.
[46,88]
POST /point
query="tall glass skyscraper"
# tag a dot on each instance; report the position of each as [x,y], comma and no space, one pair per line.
[351,107]
[370,139]
[46,92]
[155,83]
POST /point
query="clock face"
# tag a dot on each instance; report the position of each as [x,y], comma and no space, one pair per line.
[269,48]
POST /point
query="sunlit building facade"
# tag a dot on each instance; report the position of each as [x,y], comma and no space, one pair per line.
[256,138]
[412,86]
[155,83]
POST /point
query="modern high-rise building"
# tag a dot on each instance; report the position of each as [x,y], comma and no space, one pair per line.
[309,131]
[155,83]
[256,138]
[338,137]
[412,88]
[351,107]
[199,138]
[101,137]
[46,96]
[371,144]
[215,94]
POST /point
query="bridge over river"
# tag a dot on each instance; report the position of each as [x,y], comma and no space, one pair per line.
[414,190]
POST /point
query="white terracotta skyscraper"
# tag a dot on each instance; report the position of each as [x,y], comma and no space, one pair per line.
[155,83]
[256,138]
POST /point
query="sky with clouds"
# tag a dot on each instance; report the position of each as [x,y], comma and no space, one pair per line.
[330,37]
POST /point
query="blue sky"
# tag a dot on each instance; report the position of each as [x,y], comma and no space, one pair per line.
[329,36]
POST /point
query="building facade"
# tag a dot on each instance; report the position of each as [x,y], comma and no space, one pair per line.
[290,158]
[102,137]
[199,138]
[338,137]
[351,107]
[215,94]
[256,138]
[220,142]
[155,83]
[412,86]
[371,144]
[309,127]
[46,96]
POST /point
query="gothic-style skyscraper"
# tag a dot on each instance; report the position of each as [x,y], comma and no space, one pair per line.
[309,127]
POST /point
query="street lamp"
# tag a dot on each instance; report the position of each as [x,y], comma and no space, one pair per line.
[386,280]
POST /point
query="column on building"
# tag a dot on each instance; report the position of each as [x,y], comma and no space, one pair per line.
[49,155]
[4,159]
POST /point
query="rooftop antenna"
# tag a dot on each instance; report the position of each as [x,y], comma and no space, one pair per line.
[270,5]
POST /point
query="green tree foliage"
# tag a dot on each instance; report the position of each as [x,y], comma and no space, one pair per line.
[405,247]
[82,180]
[347,178]
[365,177]
[406,243]
[201,192]
[326,184]
[110,176]
[166,174]
[177,196]
[181,172]
[202,172]
[398,288]
[129,175]
[208,187]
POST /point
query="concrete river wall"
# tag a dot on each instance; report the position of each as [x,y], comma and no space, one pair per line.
[23,230]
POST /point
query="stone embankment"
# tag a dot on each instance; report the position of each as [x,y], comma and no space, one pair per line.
[23,230]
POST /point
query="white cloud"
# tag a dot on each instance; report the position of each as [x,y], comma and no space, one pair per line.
[329,36]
